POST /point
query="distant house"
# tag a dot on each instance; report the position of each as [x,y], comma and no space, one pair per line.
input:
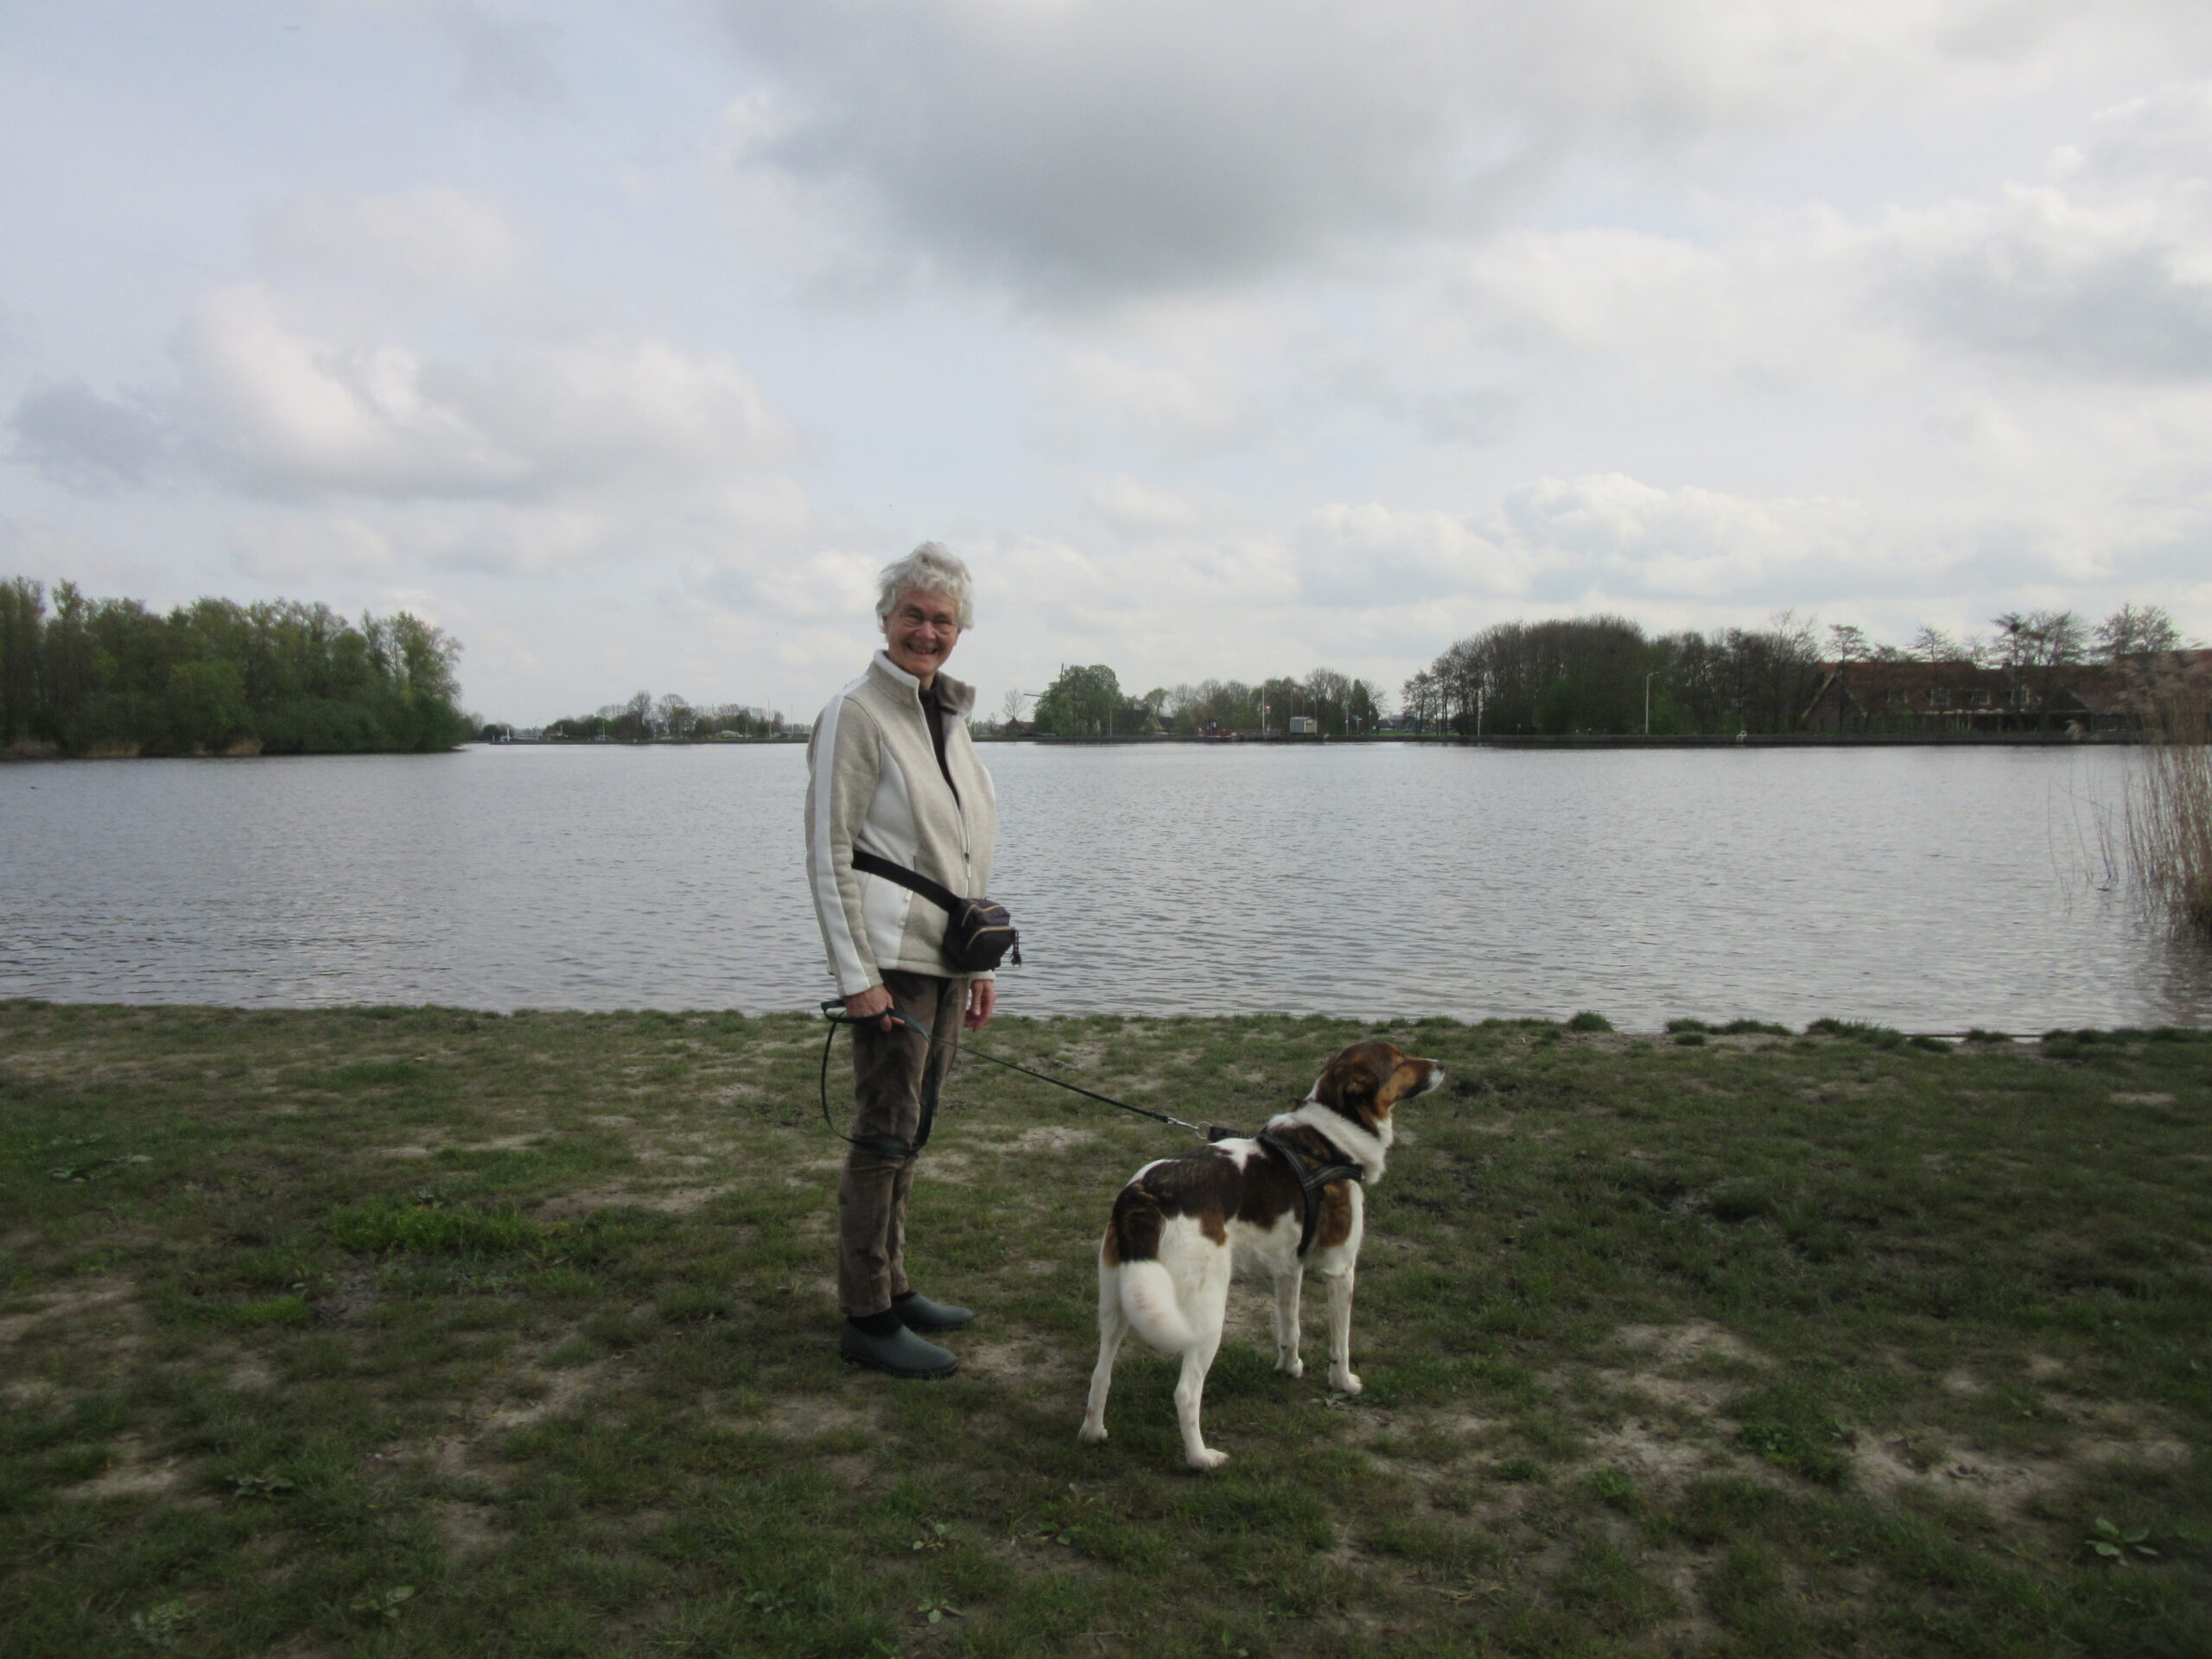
[1963,696]
[1303,726]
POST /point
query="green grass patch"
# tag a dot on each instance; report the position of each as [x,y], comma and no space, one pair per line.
[420,1330]
[401,1227]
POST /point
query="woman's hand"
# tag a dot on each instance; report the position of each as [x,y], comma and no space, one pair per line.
[983,1001]
[869,1003]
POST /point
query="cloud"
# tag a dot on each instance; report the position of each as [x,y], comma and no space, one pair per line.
[2101,270]
[1607,539]
[288,414]
[1613,532]
[42,550]
[506,60]
[83,441]
[2104,271]
[432,243]
[1173,404]
[1080,150]
[1130,506]
[290,547]
[1360,555]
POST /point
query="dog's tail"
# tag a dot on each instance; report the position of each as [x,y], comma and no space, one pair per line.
[1149,1304]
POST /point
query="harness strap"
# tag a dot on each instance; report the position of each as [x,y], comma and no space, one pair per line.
[1312,1180]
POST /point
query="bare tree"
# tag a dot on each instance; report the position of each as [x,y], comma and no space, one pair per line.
[2136,631]
[1932,645]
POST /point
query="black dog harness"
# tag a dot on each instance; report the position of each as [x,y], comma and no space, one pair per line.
[1313,1179]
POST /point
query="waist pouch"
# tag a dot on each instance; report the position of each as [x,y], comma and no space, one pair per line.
[978,932]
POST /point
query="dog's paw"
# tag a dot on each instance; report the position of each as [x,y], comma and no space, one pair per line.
[1344,1382]
[1292,1367]
[1090,1433]
[1206,1459]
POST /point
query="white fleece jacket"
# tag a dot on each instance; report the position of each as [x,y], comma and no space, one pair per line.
[872,781]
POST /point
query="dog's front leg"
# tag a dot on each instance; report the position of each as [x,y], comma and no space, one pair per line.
[1287,1285]
[1341,1376]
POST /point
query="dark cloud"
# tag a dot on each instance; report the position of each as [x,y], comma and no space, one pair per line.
[1082,150]
[83,441]
[506,61]
[1076,149]
[2121,313]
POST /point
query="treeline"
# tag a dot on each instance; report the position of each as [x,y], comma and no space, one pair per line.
[1604,674]
[1088,701]
[668,718]
[109,676]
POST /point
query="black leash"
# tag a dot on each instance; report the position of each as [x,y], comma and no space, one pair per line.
[1213,1132]
[833,1012]
[883,1147]
[1312,1178]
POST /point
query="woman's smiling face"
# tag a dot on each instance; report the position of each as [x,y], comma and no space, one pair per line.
[921,631]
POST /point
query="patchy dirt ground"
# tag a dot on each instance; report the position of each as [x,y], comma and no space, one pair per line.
[1767,1344]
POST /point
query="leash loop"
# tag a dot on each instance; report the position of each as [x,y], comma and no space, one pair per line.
[882,1146]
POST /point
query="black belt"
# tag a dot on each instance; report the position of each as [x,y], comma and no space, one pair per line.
[1313,1179]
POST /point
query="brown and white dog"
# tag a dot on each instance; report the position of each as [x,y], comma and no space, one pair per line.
[1182,1225]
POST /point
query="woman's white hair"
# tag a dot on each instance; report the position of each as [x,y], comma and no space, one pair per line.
[933,567]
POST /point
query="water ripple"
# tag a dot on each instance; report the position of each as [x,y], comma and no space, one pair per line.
[1931,889]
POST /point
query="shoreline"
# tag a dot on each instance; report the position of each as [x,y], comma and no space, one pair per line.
[1751,740]
[1799,740]
[1683,1030]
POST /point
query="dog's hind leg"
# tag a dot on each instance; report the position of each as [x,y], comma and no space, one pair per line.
[1287,1286]
[1205,1303]
[1113,1325]
[1341,1376]
[1190,1390]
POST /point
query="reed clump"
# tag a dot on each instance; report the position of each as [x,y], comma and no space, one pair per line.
[2169,810]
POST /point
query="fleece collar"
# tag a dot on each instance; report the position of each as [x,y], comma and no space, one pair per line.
[956,696]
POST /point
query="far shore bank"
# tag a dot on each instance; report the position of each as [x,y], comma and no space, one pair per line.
[26,753]
[1611,740]
[1452,739]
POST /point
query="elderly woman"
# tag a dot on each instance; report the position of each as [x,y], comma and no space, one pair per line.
[892,773]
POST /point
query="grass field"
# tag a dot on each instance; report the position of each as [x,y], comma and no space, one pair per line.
[433,1333]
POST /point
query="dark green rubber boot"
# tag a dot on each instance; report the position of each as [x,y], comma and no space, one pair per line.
[917,1313]
[901,1353]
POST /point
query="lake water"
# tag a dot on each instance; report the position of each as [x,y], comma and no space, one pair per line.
[1930,889]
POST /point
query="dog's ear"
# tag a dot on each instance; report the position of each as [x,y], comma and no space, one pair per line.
[1348,1084]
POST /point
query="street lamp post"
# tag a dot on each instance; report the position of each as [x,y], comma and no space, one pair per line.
[1646,703]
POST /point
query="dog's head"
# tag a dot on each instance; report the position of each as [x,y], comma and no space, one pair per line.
[1366,1080]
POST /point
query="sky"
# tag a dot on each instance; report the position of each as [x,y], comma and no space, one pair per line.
[1222,338]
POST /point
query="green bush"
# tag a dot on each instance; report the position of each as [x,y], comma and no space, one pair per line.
[1857,1031]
